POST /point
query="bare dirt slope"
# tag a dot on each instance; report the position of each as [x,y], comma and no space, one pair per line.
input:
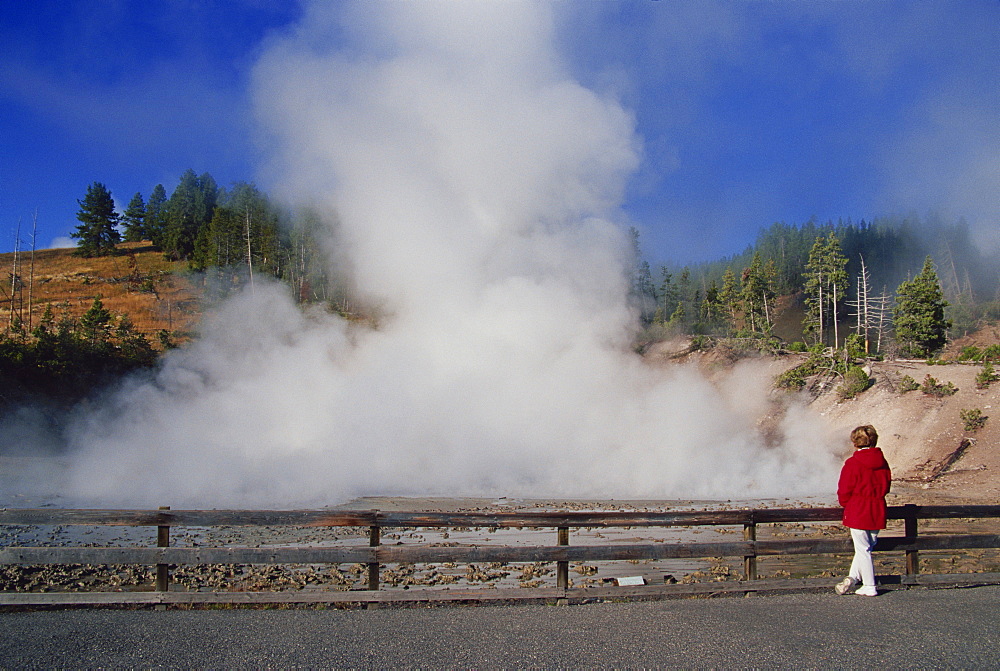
[920,434]
[155,293]
[933,456]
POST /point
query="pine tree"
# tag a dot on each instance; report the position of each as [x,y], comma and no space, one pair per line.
[134,219]
[190,207]
[756,290]
[709,309]
[156,216]
[642,290]
[729,297]
[921,328]
[308,269]
[826,279]
[132,344]
[95,324]
[242,213]
[668,295]
[679,317]
[97,232]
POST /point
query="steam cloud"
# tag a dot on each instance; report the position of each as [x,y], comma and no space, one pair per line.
[475,186]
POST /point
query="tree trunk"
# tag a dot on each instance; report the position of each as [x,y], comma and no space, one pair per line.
[31,268]
[836,330]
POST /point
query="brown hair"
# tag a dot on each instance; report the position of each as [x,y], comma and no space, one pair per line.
[864,436]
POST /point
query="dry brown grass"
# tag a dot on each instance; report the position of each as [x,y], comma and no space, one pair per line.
[155,293]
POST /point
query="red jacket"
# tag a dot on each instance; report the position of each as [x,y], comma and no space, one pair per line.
[864,482]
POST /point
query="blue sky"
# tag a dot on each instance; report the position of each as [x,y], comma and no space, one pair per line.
[750,112]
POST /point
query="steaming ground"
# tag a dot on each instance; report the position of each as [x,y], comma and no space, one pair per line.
[275,408]
[476,189]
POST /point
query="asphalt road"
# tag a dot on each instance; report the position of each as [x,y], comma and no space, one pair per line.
[916,628]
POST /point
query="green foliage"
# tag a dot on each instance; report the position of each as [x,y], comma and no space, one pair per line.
[991,353]
[642,292]
[856,380]
[700,343]
[757,295]
[97,232]
[244,231]
[986,376]
[66,359]
[795,378]
[163,336]
[95,324]
[972,419]
[932,387]
[797,346]
[229,233]
[893,250]
[921,327]
[970,353]
[855,346]
[155,221]
[908,384]
[134,219]
[678,317]
[821,362]
[729,298]
[825,288]
[190,207]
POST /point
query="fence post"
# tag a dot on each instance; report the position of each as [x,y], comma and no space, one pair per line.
[163,570]
[374,539]
[750,561]
[910,530]
[562,567]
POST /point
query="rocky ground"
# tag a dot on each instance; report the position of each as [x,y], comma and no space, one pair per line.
[451,575]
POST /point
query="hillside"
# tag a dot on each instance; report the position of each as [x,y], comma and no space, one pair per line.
[932,455]
[155,293]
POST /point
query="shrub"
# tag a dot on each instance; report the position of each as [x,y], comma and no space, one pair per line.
[970,353]
[991,353]
[986,376]
[908,384]
[700,343]
[932,387]
[795,378]
[856,380]
[972,419]
[797,346]
[855,346]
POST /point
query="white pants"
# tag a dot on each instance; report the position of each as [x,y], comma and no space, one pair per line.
[862,568]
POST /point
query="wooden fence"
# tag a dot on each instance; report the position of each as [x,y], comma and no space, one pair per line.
[562,553]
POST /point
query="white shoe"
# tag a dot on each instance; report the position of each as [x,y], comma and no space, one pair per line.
[845,585]
[867,590]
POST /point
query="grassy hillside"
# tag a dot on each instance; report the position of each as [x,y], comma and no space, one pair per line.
[155,293]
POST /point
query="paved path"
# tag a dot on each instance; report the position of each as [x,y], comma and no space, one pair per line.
[915,628]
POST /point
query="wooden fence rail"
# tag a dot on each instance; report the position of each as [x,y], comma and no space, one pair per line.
[562,553]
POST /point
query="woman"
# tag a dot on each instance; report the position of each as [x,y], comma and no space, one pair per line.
[864,482]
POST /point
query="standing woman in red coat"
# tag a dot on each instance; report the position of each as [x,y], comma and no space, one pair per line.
[864,482]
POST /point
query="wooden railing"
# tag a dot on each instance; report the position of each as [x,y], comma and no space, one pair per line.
[562,553]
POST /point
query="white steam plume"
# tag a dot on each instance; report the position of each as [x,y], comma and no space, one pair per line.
[476,187]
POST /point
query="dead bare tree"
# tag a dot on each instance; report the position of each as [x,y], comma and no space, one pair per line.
[871,312]
[880,305]
[15,278]
[31,266]
[863,320]
[249,253]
